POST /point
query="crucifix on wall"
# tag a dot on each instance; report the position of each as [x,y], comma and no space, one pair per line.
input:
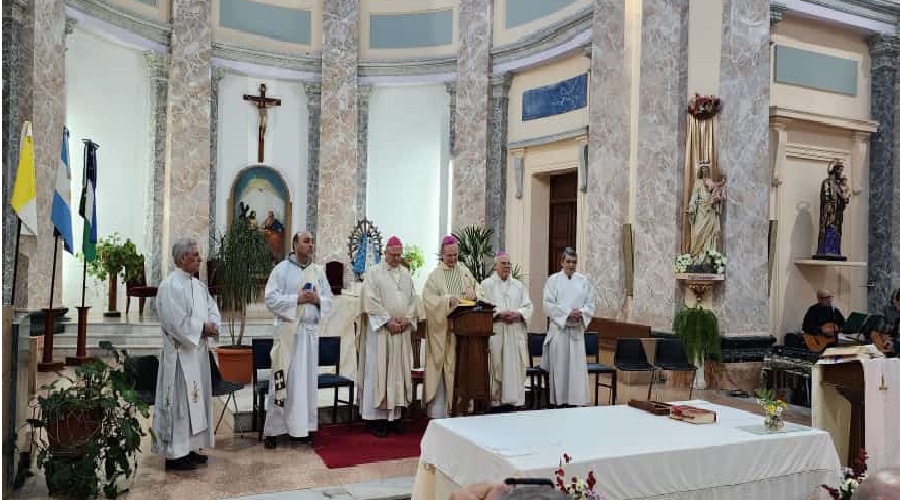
[262,104]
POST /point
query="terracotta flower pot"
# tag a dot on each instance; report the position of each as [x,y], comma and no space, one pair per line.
[68,435]
[236,363]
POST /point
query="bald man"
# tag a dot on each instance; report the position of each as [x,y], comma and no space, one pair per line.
[298,294]
[821,313]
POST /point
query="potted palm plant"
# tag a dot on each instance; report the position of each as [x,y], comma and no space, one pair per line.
[115,259]
[243,261]
[476,250]
[86,429]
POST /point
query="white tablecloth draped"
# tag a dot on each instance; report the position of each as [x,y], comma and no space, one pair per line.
[633,454]
[831,412]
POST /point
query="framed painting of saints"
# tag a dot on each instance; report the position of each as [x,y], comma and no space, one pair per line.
[260,197]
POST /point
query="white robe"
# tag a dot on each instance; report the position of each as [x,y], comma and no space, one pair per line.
[564,356]
[182,412]
[387,358]
[509,345]
[300,414]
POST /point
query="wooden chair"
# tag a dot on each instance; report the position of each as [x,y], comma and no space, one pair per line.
[262,360]
[592,349]
[138,288]
[334,271]
[330,356]
[418,369]
[538,378]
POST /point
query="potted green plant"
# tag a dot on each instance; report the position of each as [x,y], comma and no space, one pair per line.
[413,258]
[243,262]
[476,251]
[115,259]
[698,329]
[86,429]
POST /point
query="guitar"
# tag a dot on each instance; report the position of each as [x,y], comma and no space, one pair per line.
[883,342]
[818,342]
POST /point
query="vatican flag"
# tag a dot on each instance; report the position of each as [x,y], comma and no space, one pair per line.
[24,195]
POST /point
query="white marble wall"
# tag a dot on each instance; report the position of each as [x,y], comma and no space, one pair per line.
[472,102]
[743,159]
[661,123]
[46,108]
[188,126]
[339,156]
[609,125]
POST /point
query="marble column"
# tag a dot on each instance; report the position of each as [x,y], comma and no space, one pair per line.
[363,95]
[451,90]
[472,103]
[339,160]
[217,74]
[188,135]
[743,159]
[495,188]
[660,156]
[13,14]
[157,69]
[776,14]
[447,163]
[884,173]
[43,75]
[609,135]
[314,110]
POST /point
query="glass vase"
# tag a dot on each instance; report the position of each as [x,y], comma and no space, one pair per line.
[773,421]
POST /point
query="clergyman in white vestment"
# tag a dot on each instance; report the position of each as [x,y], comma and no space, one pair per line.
[569,301]
[446,285]
[298,294]
[188,315]
[389,302]
[509,345]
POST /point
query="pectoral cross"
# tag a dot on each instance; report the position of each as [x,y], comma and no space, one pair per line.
[195,395]
[262,104]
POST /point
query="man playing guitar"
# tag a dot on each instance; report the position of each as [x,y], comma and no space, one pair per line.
[822,322]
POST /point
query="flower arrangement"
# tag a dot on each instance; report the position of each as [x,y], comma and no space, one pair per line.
[853,476]
[773,408]
[577,489]
[711,262]
[704,107]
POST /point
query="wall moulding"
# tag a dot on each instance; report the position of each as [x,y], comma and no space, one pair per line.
[306,63]
[850,124]
[579,134]
[152,31]
[816,153]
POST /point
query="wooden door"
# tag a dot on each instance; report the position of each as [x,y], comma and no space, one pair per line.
[563,217]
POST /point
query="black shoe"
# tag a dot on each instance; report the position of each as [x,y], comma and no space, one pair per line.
[183,463]
[396,427]
[270,443]
[380,429]
[197,458]
[304,439]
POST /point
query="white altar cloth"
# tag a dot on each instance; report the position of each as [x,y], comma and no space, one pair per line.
[633,454]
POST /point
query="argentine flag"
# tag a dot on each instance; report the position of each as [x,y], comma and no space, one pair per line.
[61,214]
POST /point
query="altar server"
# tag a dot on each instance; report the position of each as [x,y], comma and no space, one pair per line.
[188,315]
[509,345]
[389,302]
[298,294]
[569,301]
[446,285]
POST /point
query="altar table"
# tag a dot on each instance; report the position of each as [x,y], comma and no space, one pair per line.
[634,455]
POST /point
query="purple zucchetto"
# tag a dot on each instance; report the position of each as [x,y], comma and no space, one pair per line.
[449,240]
[394,241]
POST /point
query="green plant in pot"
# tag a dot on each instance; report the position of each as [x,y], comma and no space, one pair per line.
[698,329]
[86,429]
[476,251]
[413,258]
[243,262]
[115,259]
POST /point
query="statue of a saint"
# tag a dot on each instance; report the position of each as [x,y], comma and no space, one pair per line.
[833,198]
[704,212]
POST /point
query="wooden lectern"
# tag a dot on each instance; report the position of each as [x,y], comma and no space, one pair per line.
[472,327]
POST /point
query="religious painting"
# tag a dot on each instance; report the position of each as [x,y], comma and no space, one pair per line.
[260,197]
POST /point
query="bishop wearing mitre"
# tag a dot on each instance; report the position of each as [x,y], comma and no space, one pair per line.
[389,304]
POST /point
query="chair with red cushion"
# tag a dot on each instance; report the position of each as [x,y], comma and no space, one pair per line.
[138,288]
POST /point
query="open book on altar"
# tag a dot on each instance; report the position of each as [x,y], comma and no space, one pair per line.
[692,414]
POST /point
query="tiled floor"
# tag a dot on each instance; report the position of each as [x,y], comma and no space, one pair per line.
[241,467]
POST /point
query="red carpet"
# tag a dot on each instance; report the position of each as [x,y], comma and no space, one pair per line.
[340,445]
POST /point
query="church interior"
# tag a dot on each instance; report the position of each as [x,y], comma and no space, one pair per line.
[728,172]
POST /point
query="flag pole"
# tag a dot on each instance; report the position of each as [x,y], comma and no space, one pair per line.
[81,357]
[48,365]
[12,293]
